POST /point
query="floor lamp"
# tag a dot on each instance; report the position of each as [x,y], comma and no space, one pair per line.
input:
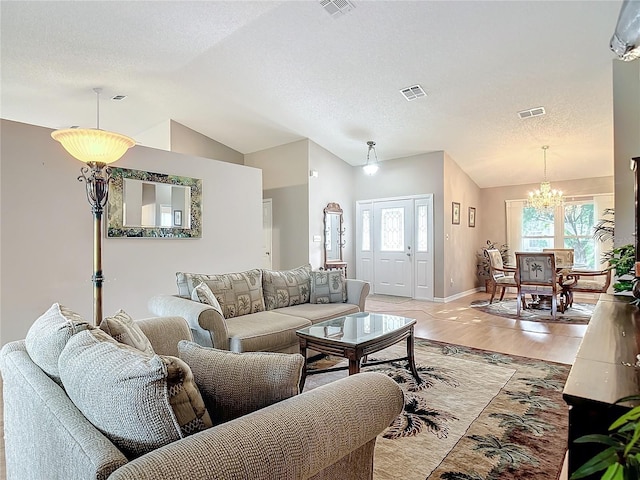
[97,148]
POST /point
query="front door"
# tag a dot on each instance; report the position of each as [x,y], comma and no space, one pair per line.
[393,247]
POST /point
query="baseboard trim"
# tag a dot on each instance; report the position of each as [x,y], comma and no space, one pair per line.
[457,295]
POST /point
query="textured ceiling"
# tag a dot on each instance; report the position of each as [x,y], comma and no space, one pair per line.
[254,75]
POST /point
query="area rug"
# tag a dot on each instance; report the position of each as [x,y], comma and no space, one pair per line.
[476,415]
[579,313]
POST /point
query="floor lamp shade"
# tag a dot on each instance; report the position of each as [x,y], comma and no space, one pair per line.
[91,145]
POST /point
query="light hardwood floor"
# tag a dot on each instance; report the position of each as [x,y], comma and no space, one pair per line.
[458,323]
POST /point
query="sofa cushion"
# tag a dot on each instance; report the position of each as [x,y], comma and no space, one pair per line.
[123,329]
[319,312]
[49,334]
[286,287]
[203,294]
[267,331]
[328,286]
[238,293]
[139,401]
[235,384]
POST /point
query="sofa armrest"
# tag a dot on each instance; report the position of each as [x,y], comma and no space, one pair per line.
[208,326]
[293,439]
[235,384]
[164,333]
[357,291]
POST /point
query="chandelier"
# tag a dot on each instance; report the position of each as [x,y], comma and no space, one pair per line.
[545,197]
[372,164]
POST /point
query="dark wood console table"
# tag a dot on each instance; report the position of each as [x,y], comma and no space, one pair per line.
[602,373]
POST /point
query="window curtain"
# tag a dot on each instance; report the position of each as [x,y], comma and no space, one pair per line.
[514,227]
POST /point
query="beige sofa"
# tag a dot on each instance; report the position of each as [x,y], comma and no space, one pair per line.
[260,310]
[326,433]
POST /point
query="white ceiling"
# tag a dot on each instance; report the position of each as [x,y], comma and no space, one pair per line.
[254,75]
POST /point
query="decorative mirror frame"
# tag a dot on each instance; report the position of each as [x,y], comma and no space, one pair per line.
[333,208]
[115,227]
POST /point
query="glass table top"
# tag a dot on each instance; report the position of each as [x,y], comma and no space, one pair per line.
[357,328]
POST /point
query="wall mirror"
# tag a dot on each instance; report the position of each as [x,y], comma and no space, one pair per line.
[333,236]
[153,205]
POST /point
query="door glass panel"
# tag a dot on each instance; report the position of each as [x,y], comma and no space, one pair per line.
[392,229]
[366,230]
[422,228]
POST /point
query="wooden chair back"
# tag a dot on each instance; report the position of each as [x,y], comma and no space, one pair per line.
[564,256]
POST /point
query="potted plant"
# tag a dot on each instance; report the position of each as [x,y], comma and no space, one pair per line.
[483,260]
[620,460]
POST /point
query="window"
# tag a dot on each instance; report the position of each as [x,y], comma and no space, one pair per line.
[567,226]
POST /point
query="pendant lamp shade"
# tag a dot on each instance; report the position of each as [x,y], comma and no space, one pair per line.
[93,145]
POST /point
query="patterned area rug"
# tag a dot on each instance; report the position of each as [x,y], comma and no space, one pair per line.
[477,415]
[579,313]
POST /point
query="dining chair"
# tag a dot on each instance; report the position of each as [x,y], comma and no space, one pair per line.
[564,256]
[536,275]
[500,276]
[585,281]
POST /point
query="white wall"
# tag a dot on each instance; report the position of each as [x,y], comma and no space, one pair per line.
[158,136]
[285,179]
[460,240]
[46,239]
[188,141]
[626,145]
[333,184]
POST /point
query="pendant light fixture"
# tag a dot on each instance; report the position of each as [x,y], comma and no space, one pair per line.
[371,166]
[545,197]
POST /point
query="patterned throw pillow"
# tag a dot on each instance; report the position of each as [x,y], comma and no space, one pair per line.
[123,329]
[49,334]
[286,288]
[238,293]
[155,399]
[203,294]
[328,286]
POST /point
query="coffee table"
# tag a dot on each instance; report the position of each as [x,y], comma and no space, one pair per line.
[354,337]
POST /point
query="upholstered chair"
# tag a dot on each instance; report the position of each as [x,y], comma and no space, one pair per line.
[564,256]
[500,276]
[536,275]
[585,281]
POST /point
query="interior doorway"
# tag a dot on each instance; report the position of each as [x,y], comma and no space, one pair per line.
[267,233]
[394,245]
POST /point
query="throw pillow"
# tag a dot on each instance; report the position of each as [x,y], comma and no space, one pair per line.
[139,401]
[124,330]
[203,294]
[328,286]
[238,293]
[235,384]
[49,334]
[286,288]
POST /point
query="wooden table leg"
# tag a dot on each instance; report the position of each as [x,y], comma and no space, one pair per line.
[354,361]
[411,357]
[303,352]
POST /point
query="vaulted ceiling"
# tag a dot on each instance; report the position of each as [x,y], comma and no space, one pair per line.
[254,75]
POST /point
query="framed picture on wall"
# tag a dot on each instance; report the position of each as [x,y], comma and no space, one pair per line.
[472,216]
[455,213]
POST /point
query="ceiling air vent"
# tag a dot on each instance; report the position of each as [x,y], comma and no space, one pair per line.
[411,93]
[336,8]
[532,112]
[118,97]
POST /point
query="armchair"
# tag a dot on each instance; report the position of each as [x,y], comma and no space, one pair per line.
[536,275]
[564,256]
[500,276]
[585,281]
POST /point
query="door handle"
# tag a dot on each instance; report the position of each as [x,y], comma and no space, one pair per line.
[408,254]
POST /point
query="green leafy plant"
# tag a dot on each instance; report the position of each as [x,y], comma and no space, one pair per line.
[620,460]
[622,259]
